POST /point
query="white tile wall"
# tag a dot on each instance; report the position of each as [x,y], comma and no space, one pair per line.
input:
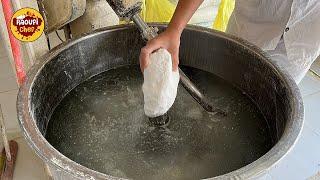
[8,91]
[28,165]
[3,54]
[8,84]
[6,70]
[8,104]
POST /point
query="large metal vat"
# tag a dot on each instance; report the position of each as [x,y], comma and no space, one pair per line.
[233,59]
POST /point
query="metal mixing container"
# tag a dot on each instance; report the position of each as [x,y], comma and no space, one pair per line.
[233,59]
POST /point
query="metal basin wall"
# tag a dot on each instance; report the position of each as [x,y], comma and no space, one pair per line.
[231,58]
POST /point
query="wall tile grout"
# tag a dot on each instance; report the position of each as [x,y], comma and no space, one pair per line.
[6,91]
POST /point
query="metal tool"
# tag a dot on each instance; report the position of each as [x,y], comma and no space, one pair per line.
[130,11]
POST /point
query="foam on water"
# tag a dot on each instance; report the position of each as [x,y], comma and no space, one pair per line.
[101,125]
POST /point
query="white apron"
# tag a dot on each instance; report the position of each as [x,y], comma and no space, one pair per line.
[289,30]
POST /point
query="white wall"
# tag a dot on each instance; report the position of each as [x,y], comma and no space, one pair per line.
[8,82]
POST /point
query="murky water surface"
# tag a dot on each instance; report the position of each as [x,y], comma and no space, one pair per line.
[101,125]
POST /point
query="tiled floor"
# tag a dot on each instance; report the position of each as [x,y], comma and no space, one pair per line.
[303,162]
[316,67]
[28,165]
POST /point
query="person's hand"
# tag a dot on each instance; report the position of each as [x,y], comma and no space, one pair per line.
[169,40]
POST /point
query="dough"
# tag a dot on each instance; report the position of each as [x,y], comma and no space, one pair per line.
[160,84]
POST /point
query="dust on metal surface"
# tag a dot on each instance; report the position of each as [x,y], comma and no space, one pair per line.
[231,58]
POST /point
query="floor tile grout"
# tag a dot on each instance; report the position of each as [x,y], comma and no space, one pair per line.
[315,73]
[310,128]
[314,93]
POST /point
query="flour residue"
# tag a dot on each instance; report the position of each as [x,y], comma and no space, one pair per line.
[101,124]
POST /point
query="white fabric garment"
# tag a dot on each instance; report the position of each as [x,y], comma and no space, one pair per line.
[279,54]
[160,84]
[263,23]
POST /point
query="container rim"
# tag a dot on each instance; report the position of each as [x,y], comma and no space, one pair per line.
[54,158]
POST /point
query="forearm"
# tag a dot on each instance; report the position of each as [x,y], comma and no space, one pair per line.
[183,13]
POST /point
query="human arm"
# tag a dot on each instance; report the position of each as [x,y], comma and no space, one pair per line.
[170,38]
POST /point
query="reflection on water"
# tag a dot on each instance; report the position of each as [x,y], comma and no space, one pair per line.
[101,125]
